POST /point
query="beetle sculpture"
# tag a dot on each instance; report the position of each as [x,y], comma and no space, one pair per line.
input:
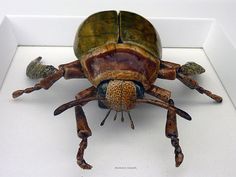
[120,54]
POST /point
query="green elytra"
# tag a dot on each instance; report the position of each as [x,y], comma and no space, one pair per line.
[111,27]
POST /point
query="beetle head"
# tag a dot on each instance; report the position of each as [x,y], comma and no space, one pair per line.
[120,95]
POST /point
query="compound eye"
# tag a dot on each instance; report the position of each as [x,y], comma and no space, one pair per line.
[102,88]
[139,90]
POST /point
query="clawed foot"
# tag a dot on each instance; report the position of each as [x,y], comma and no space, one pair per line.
[83,164]
[80,156]
[179,157]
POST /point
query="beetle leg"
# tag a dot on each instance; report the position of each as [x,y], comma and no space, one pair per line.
[192,84]
[171,71]
[45,83]
[171,122]
[168,70]
[73,70]
[83,129]
[159,93]
[172,133]
[83,132]
[68,71]
[167,64]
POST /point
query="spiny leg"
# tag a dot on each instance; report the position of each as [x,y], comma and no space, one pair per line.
[192,84]
[172,133]
[83,132]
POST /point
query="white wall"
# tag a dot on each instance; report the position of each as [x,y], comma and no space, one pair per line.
[223,10]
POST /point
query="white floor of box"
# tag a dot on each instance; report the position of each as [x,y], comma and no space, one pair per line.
[35,143]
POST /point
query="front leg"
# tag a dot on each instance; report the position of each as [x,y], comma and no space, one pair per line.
[83,132]
[172,71]
[83,129]
[159,93]
[172,133]
[192,84]
[68,71]
[171,122]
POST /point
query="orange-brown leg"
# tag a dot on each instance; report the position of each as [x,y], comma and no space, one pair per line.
[83,129]
[192,84]
[68,71]
[159,93]
[172,71]
[83,132]
[172,133]
[171,122]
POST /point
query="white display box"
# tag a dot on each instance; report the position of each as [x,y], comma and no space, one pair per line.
[34,144]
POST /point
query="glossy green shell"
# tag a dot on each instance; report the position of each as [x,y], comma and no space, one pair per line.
[110,27]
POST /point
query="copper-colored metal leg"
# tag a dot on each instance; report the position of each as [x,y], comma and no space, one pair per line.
[83,132]
[172,133]
[194,85]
